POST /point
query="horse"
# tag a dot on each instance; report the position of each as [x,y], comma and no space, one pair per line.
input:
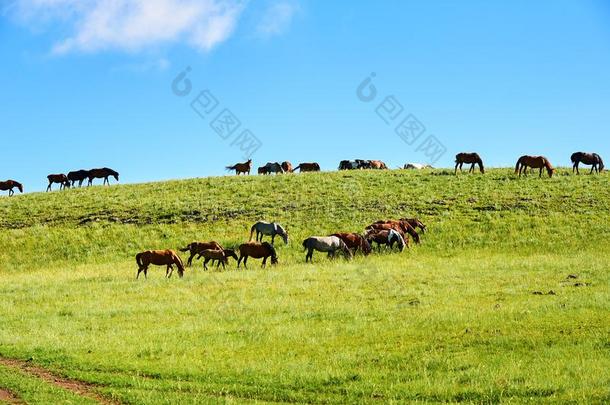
[9,185]
[241,167]
[273,167]
[262,170]
[469,158]
[328,244]
[159,258]
[401,226]
[416,166]
[211,254]
[78,175]
[348,165]
[270,229]
[363,164]
[307,167]
[415,223]
[62,179]
[227,252]
[378,164]
[287,166]
[535,162]
[588,159]
[257,250]
[388,238]
[355,242]
[102,173]
[195,247]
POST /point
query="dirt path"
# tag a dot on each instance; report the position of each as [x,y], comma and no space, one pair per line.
[7,396]
[77,387]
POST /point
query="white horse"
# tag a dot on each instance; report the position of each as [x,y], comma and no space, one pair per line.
[270,229]
[417,166]
[329,244]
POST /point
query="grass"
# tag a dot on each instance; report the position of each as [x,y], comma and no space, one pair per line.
[483,311]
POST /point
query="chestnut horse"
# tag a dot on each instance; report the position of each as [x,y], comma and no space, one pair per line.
[195,248]
[62,179]
[159,258]
[355,242]
[9,185]
[227,253]
[287,166]
[535,162]
[378,164]
[102,173]
[588,159]
[307,167]
[469,158]
[241,167]
[78,175]
[257,250]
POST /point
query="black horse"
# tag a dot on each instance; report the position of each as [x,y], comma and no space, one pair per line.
[102,173]
[588,159]
[78,175]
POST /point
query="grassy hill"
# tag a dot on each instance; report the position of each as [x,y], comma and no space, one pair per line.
[483,310]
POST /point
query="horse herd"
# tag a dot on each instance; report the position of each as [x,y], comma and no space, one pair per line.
[386,233]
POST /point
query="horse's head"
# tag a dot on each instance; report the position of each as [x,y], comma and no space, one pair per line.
[366,246]
[550,171]
[19,186]
[116,176]
[285,237]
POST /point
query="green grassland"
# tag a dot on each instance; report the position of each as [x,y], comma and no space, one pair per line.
[482,311]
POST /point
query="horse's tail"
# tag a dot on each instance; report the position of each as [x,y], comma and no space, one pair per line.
[229,168]
[139,259]
[517,166]
[305,244]
[252,229]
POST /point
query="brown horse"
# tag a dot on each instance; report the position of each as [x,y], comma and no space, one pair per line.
[535,162]
[307,167]
[469,158]
[401,226]
[159,258]
[355,242]
[287,166]
[588,159]
[263,170]
[78,175]
[257,250]
[219,255]
[239,168]
[415,223]
[195,248]
[102,173]
[62,179]
[10,185]
[228,253]
[388,238]
[377,164]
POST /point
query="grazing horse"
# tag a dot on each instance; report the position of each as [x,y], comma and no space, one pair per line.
[388,238]
[363,164]
[355,242]
[195,247]
[227,252]
[78,175]
[416,166]
[9,185]
[470,158]
[328,244]
[535,162]
[62,179]
[241,167]
[400,226]
[159,258]
[307,167]
[262,170]
[588,159]
[270,229]
[273,167]
[348,165]
[378,164]
[257,250]
[102,173]
[415,223]
[210,254]
[287,166]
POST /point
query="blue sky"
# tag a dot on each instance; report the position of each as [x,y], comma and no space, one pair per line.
[89,83]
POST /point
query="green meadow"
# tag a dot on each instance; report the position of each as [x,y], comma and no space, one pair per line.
[507,298]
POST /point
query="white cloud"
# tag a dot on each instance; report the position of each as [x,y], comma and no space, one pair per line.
[132,25]
[277,18]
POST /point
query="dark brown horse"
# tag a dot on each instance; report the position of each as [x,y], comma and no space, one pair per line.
[307,167]
[239,168]
[102,173]
[354,242]
[62,179]
[388,238]
[470,158]
[195,248]
[78,175]
[287,166]
[257,250]
[588,159]
[10,185]
[415,223]
[159,258]
[535,162]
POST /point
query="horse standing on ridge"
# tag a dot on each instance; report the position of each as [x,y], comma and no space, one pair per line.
[62,179]
[307,167]
[78,175]
[588,159]
[103,173]
[9,185]
[240,168]
[535,162]
[469,158]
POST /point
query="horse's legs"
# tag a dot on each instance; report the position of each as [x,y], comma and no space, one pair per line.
[239,261]
[189,262]
[540,172]
[245,262]
[264,262]
[456,167]
[592,168]
[272,239]
[471,168]
[139,271]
